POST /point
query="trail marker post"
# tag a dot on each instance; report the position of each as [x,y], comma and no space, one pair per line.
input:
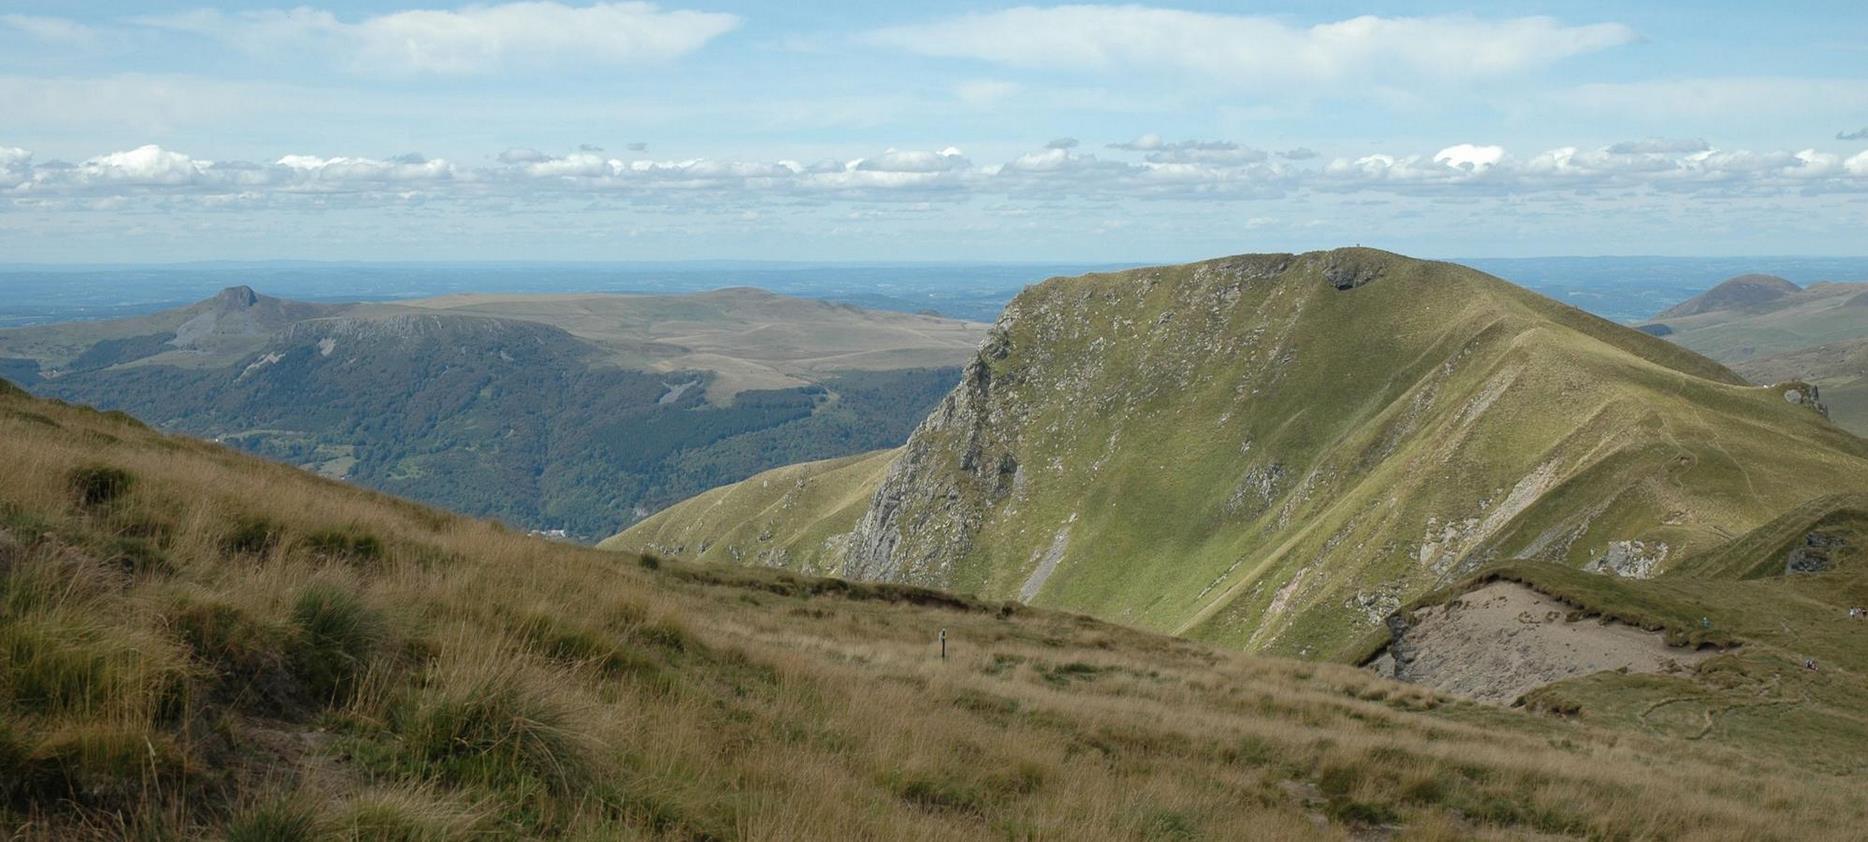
[943,644]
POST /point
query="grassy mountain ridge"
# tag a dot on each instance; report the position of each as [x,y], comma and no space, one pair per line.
[199,644]
[1817,335]
[1276,451]
[574,412]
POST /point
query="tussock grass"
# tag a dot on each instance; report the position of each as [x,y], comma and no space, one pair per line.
[465,682]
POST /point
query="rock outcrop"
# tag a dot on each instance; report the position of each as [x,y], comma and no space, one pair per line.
[1276,451]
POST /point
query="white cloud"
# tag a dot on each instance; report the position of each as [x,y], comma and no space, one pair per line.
[1186,170]
[50,30]
[343,173]
[15,166]
[472,40]
[1252,51]
[1146,143]
[144,165]
[1466,156]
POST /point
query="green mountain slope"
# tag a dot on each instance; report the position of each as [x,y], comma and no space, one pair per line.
[580,413]
[1838,369]
[795,517]
[197,644]
[1276,451]
[1773,334]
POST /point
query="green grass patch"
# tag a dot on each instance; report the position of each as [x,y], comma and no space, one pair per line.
[95,486]
[338,635]
[351,544]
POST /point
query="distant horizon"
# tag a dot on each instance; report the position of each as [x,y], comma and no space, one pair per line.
[155,131]
[851,262]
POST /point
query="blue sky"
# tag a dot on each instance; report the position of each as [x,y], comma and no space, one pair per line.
[930,131]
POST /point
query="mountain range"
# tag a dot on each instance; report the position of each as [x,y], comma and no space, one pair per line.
[571,412]
[1544,576]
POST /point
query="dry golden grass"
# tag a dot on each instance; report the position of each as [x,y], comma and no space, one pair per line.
[194,655]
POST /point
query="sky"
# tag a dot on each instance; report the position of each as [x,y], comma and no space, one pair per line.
[931,131]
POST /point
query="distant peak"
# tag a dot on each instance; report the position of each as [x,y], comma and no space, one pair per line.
[1738,292]
[1756,279]
[237,296]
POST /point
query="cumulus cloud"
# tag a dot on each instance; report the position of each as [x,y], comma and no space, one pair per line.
[1146,143]
[152,169]
[1062,143]
[15,166]
[1184,170]
[1301,153]
[1469,157]
[1250,50]
[345,173]
[1858,134]
[478,39]
[1635,166]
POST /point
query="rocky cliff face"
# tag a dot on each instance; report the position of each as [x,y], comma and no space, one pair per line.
[1276,451]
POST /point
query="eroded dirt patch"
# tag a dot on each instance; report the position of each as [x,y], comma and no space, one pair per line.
[1503,640]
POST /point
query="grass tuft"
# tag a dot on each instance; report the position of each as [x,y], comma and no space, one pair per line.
[95,486]
[351,544]
[284,820]
[252,535]
[338,634]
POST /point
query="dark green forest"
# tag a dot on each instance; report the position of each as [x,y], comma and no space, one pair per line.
[504,419]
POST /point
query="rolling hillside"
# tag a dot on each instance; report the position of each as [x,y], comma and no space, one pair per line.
[1275,452]
[1817,335]
[553,412]
[199,644]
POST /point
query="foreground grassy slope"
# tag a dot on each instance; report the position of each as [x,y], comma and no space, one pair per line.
[195,643]
[1276,451]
